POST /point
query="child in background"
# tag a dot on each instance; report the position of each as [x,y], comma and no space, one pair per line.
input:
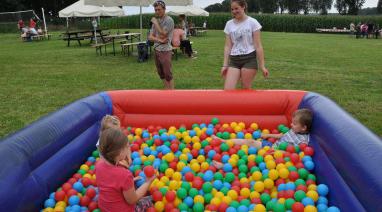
[299,133]
[114,179]
[108,122]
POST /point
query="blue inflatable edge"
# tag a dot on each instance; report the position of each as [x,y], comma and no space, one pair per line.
[41,157]
[347,156]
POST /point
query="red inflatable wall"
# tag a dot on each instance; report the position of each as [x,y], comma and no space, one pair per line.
[172,108]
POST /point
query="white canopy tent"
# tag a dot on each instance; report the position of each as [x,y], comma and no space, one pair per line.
[187,10]
[79,9]
[140,3]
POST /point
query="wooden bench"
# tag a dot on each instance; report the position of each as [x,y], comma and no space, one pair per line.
[98,48]
[201,32]
[126,46]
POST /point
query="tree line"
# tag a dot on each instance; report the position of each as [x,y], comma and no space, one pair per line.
[344,7]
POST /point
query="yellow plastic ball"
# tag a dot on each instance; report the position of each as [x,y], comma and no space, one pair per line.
[187,139]
[248,136]
[177,176]
[237,129]
[193,161]
[312,187]
[219,195]
[199,199]
[268,158]
[215,201]
[173,185]
[232,194]
[284,173]
[151,158]
[201,158]
[178,135]
[204,166]
[177,201]
[233,162]
[241,124]
[273,174]
[254,194]
[274,194]
[261,152]
[186,150]
[164,179]
[259,186]
[278,154]
[144,145]
[270,164]
[232,136]
[59,209]
[235,156]
[169,157]
[251,158]
[281,200]
[195,167]
[244,180]
[313,195]
[257,175]
[268,183]
[233,124]
[84,167]
[310,208]
[245,192]
[227,200]
[159,206]
[229,143]
[87,175]
[265,131]
[61,204]
[195,139]
[225,126]
[48,210]
[280,166]
[183,157]
[180,166]
[260,208]
[197,146]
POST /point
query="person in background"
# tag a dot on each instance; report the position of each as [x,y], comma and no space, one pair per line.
[179,40]
[21,26]
[205,24]
[161,34]
[352,29]
[183,23]
[243,51]
[32,26]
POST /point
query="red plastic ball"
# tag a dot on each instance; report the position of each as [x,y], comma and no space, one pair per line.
[149,171]
[91,193]
[170,196]
[85,201]
[223,207]
[298,207]
[169,206]
[71,192]
[309,151]
[66,187]
[302,146]
[302,188]
[92,206]
[86,181]
[151,209]
[59,196]
[157,196]
[174,147]
[189,176]
[134,147]
[290,149]
[293,176]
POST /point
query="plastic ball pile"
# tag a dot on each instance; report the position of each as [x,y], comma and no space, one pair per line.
[189,179]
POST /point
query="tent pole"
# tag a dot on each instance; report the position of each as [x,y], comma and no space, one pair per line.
[43,17]
[140,12]
[67,24]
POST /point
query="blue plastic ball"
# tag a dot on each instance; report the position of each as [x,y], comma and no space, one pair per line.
[225,158]
[51,195]
[256,134]
[145,134]
[307,201]
[322,208]
[282,187]
[76,208]
[333,209]
[192,133]
[185,170]
[189,201]
[262,166]
[91,159]
[210,131]
[78,186]
[164,137]
[240,135]
[211,153]
[306,158]
[208,176]
[74,200]
[322,190]
[227,167]
[218,184]
[242,208]
[137,161]
[290,186]
[231,209]
[252,150]
[322,200]
[147,151]
[309,165]
[228,185]
[49,203]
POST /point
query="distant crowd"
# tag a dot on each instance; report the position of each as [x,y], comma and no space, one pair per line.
[365,30]
[30,30]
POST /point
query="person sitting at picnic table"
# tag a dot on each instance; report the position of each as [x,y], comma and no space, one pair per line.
[21,26]
[179,40]
[32,27]
[191,28]
[183,23]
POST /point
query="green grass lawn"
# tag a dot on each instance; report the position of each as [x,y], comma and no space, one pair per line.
[40,77]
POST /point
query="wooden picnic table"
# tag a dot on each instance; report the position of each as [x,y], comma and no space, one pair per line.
[82,35]
[195,30]
[128,36]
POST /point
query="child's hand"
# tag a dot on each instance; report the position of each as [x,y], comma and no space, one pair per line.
[264,136]
[218,165]
[265,72]
[137,178]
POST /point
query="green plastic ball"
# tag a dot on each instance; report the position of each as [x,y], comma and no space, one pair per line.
[207,187]
[299,195]
[229,177]
[264,197]
[214,121]
[181,193]
[198,207]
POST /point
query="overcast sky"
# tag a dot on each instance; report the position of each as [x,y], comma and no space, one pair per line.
[205,3]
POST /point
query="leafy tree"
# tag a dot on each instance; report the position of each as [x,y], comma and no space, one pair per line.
[282,5]
[379,7]
[349,7]
[294,6]
[305,6]
[268,6]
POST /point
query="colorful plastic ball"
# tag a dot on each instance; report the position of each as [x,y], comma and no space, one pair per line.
[74,200]
[322,200]
[299,195]
[149,171]
[59,195]
[198,207]
[189,201]
[307,201]
[322,208]
[49,203]
[309,165]
[207,187]
[181,193]
[227,167]
[322,189]
[298,207]
[208,176]
[159,206]
[333,209]
[218,184]
[78,186]
[229,177]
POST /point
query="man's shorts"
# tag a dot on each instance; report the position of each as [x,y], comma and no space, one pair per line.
[248,61]
[163,64]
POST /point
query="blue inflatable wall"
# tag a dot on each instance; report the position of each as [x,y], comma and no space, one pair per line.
[39,158]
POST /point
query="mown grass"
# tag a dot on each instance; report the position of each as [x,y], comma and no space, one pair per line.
[40,77]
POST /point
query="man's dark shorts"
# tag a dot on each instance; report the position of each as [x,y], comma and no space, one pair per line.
[163,64]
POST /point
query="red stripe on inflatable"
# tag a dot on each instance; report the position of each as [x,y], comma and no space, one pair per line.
[141,108]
